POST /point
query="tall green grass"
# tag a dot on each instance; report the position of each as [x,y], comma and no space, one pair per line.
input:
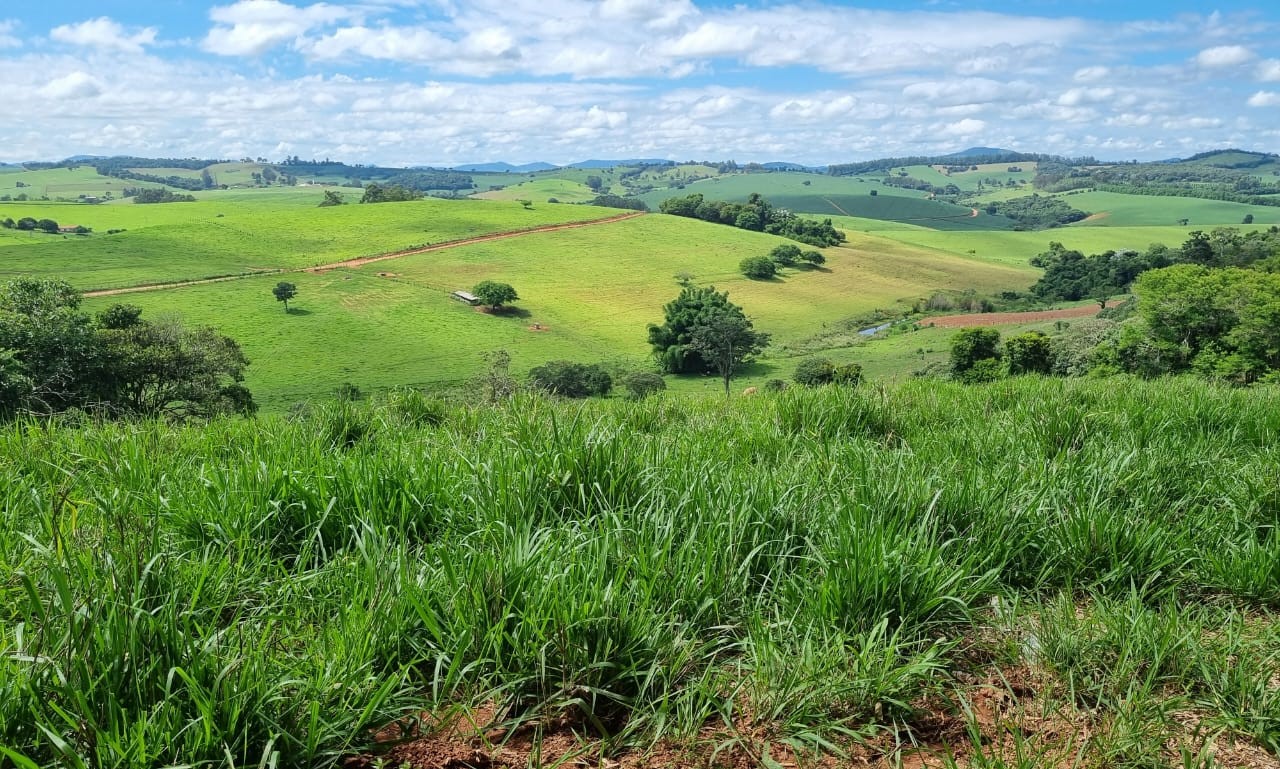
[271,592]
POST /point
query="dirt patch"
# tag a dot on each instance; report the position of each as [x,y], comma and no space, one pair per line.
[388,275]
[1009,318]
[1097,217]
[538,327]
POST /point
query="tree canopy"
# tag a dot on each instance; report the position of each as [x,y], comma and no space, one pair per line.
[494,294]
[674,343]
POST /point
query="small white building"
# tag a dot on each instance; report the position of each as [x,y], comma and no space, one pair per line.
[464,296]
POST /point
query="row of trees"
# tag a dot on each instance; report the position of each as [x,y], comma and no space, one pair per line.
[785,255]
[30,224]
[1069,275]
[1036,212]
[758,215]
[54,357]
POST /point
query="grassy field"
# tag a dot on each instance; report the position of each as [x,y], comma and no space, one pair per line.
[64,183]
[236,232]
[592,290]
[1112,209]
[1033,573]
[539,190]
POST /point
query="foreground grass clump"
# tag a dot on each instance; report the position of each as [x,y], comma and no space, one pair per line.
[810,565]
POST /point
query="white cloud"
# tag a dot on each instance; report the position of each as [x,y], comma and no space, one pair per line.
[1264,99]
[1224,56]
[104,33]
[1091,74]
[1269,70]
[963,128]
[76,85]
[7,37]
[1077,96]
[253,27]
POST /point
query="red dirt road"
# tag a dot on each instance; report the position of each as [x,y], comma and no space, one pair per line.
[1009,318]
[362,260]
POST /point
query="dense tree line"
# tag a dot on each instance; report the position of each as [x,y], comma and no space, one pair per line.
[1036,212]
[756,214]
[156,195]
[1070,275]
[388,193]
[885,164]
[912,183]
[703,332]
[617,201]
[1194,178]
[54,357]
[423,181]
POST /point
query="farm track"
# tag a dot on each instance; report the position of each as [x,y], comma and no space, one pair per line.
[1006,318]
[363,260]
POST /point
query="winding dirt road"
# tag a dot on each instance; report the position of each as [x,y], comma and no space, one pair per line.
[362,260]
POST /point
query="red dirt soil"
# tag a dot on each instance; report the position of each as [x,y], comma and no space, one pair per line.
[1008,318]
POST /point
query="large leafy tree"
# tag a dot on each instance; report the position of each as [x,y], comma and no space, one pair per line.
[53,357]
[494,294]
[727,340]
[672,341]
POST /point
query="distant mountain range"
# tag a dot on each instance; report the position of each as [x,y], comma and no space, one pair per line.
[503,168]
[978,152]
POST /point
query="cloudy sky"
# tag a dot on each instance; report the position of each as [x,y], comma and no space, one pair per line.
[449,81]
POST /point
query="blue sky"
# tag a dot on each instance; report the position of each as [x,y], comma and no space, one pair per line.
[450,81]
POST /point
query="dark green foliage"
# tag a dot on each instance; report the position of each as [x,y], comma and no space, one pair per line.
[284,291]
[26,223]
[571,380]
[847,374]
[156,195]
[119,316]
[755,214]
[758,267]
[642,384]
[1036,212]
[47,225]
[1248,219]
[727,341]
[1028,353]
[8,223]
[785,255]
[774,385]
[421,181]
[814,372]
[494,294]
[388,193]
[672,341]
[814,257]
[970,347]
[332,198]
[56,359]
[617,201]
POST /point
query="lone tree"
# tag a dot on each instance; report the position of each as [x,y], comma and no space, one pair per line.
[285,291]
[726,341]
[494,294]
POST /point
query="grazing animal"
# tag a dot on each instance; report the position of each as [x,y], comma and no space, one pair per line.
[749,391]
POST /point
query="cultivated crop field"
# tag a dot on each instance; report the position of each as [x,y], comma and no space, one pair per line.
[1026,574]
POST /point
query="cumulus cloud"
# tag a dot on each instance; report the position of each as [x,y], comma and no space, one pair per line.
[1269,70]
[1224,56]
[1264,99]
[104,33]
[1091,74]
[8,38]
[76,85]
[253,27]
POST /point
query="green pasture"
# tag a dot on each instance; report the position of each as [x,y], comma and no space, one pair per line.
[1112,209]
[64,183]
[538,190]
[232,232]
[1016,248]
[592,290]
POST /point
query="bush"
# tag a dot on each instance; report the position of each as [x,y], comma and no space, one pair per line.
[815,372]
[775,385]
[849,375]
[642,384]
[571,380]
[785,255]
[971,346]
[758,267]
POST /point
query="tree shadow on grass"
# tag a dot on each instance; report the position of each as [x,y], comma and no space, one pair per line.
[505,312]
[298,311]
[812,268]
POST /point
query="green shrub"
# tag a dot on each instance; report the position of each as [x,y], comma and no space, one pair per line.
[758,267]
[815,372]
[642,384]
[571,380]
